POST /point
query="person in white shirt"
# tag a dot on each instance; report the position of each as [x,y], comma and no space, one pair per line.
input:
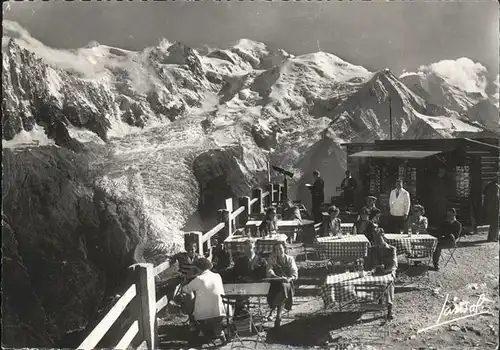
[207,287]
[399,203]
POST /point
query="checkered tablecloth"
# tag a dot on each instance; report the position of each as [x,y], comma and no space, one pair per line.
[346,228]
[402,242]
[264,245]
[349,245]
[340,288]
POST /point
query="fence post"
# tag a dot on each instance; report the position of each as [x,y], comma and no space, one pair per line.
[270,197]
[227,230]
[243,217]
[146,303]
[257,206]
[277,195]
[285,189]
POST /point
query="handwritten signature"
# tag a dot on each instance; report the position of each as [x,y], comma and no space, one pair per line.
[464,308]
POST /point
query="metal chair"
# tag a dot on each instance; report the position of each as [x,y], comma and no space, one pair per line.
[377,301]
[419,253]
[314,250]
[451,251]
[242,328]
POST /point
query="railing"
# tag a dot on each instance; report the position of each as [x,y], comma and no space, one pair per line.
[140,297]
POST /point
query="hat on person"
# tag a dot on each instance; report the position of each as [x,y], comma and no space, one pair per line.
[372,198]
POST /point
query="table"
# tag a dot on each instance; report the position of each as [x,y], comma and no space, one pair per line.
[264,245]
[402,242]
[254,289]
[284,226]
[340,288]
[346,228]
[349,245]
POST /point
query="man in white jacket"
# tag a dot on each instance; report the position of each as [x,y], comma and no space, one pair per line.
[209,310]
[399,203]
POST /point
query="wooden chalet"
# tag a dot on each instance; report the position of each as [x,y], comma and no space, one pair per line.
[438,173]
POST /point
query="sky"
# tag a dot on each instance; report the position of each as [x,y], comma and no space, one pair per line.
[397,35]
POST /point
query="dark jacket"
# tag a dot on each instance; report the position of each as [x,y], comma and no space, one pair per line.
[349,184]
[385,256]
[246,269]
[450,229]
[318,191]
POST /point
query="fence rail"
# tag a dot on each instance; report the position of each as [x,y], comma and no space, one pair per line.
[141,295]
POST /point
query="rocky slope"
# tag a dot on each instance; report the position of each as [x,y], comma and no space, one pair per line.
[168,134]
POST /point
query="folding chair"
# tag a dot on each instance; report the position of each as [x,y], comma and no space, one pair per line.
[377,303]
[419,253]
[451,251]
[242,328]
[314,250]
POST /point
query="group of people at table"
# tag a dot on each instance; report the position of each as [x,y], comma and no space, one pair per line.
[199,291]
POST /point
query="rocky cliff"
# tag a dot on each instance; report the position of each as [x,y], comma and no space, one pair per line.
[105,149]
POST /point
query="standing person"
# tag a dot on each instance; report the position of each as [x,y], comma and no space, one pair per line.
[283,268]
[318,195]
[399,203]
[348,185]
[491,209]
[448,233]
[207,288]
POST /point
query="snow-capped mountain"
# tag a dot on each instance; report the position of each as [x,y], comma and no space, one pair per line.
[177,131]
[461,85]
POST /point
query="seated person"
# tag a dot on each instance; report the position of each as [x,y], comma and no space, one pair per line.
[382,259]
[333,225]
[370,204]
[447,235]
[283,268]
[269,225]
[208,310]
[292,212]
[418,222]
[361,224]
[250,266]
[372,228]
[247,268]
[186,273]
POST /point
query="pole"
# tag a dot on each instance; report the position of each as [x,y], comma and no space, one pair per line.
[390,117]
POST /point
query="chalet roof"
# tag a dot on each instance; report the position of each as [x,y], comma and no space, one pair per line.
[396,154]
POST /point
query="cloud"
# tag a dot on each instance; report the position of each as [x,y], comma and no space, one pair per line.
[463,73]
[63,59]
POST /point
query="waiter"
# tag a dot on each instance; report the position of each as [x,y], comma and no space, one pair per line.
[348,185]
[399,204]
[318,196]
